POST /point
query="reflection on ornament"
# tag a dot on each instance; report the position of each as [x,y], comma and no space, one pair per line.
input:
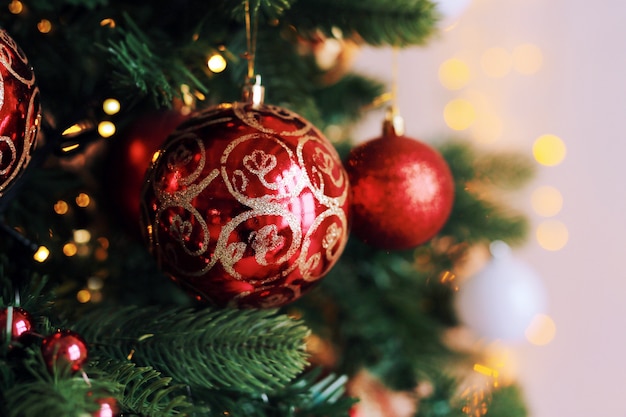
[501,300]
[19,111]
[246,205]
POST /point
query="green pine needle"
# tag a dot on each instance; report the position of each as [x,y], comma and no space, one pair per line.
[241,350]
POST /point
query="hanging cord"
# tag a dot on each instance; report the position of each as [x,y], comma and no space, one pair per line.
[253,91]
[394,123]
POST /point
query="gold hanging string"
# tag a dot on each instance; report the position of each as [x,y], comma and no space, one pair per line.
[394,123]
[252,24]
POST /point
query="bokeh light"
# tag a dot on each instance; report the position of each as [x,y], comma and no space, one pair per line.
[61,207]
[111,106]
[42,254]
[552,235]
[83,200]
[547,201]
[106,129]
[541,330]
[454,74]
[216,63]
[70,249]
[459,114]
[83,296]
[44,26]
[16,7]
[496,62]
[549,150]
[527,59]
[82,236]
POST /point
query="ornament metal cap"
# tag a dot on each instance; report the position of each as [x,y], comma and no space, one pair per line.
[394,123]
[254,92]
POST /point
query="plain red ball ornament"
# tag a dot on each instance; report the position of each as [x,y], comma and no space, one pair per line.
[19,111]
[64,348]
[21,322]
[246,205]
[402,190]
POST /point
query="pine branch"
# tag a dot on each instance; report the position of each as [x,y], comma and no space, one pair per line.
[377,22]
[252,351]
[143,391]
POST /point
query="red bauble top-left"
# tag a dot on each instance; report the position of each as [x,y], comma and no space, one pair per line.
[246,206]
[19,111]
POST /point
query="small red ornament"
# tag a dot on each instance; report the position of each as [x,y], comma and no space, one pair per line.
[246,205]
[132,157]
[21,322]
[402,190]
[64,348]
[19,111]
[108,407]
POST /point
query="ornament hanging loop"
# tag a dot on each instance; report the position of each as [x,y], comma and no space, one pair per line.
[254,92]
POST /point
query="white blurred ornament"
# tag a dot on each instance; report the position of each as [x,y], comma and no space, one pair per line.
[501,300]
[450,11]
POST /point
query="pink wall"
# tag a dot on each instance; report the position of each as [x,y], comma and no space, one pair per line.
[578,94]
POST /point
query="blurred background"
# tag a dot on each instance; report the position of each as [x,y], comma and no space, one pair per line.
[546,78]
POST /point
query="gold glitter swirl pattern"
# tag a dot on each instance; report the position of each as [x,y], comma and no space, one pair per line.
[246,206]
[19,111]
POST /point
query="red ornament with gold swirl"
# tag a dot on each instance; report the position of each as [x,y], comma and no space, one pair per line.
[19,111]
[246,205]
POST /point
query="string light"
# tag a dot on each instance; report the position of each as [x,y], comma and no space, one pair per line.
[216,63]
[552,235]
[111,106]
[83,200]
[459,114]
[70,249]
[42,254]
[454,74]
[547,201]
[549,150]
[16,7]
[106,128]
[44,26]
[61,207]
[107,22]
[82,236]
[83,296]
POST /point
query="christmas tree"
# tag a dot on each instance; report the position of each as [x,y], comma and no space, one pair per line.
[92,324]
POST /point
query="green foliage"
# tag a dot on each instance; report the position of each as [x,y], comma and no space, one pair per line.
[377,22]
[142,390]
[507,401]
[253,351]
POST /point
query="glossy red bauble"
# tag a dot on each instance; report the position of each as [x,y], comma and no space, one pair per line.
[402,192]
[64,348]
[108,407]
[246,206]
[21,322]
[19,111]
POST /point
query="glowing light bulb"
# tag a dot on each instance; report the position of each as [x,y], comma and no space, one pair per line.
[61,207]
[69,249]
[83,200]
[44,26]
[16,7]
[111,106]
[106,129]
[82,236]
[216,63]
[42,254]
